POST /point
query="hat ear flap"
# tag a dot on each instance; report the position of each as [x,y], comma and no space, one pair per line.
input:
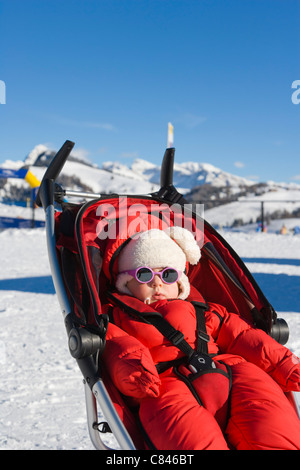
[186,242]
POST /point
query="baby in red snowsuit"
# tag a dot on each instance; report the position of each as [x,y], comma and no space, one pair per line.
[239,402]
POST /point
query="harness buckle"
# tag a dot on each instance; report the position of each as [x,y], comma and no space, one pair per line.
[200,362]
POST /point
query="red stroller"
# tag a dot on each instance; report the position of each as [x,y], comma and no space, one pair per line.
[76,240]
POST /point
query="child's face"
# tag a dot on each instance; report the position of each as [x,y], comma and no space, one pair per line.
[154,290]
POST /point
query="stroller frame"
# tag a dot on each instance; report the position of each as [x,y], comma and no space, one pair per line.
[95,390]
[85,345]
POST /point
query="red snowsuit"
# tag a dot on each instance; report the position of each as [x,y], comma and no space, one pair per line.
[259,415]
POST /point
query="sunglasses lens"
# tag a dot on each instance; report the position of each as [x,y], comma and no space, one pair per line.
[170,275]
[144,275]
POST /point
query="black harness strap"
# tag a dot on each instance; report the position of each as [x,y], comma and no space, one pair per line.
[169,332]
[197,360]
[203,337]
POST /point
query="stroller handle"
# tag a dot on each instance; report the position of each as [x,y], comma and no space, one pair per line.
[44,197]
[167,190]
[166,174]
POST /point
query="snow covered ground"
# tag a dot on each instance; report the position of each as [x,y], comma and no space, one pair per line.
[41,392]
[248,209]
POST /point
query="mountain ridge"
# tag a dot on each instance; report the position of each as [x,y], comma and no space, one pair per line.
[198,182]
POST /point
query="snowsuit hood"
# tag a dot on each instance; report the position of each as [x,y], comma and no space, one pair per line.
[174,247]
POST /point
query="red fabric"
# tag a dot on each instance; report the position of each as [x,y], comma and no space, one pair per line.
[261,417]
[230,258]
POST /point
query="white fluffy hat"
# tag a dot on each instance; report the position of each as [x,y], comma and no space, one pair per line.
[156,248]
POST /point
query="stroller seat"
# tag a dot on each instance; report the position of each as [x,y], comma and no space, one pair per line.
[78,237]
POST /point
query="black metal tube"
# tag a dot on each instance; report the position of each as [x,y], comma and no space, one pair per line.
[54,169]
[166,174]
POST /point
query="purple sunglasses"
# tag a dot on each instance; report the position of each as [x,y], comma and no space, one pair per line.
[145,274]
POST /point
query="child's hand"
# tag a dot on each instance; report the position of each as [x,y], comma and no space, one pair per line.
[290,371]
[131,367]
[137,377]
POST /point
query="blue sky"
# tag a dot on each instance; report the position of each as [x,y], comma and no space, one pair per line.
[111,74]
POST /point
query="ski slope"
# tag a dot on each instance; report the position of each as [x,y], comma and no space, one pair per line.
[41,392]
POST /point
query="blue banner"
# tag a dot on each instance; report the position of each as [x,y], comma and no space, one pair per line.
[7,173]
[12,222]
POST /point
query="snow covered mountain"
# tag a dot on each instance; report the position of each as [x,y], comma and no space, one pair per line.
[142,177]
[197,181]
[186,175]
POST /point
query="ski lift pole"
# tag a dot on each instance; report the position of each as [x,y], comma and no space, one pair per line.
[32,206]
[262,216]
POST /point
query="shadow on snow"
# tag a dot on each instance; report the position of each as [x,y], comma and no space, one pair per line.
[38,284]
